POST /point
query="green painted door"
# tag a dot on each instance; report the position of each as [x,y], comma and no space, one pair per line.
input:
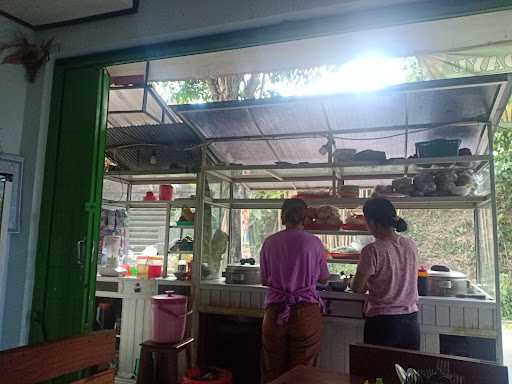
[65,277]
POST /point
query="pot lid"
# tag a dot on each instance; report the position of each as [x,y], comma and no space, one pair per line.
[242,268]
[169,297]
[447,275]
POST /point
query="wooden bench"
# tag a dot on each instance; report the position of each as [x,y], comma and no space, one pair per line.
[36,363]
[375,361]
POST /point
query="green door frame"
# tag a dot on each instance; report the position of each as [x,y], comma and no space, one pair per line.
[287,31]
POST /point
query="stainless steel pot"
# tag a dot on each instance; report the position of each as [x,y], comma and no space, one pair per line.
[243,274]
[447,283]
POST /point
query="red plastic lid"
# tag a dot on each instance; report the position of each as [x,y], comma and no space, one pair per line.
[169,297]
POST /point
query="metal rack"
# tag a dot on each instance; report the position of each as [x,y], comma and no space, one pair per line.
[131,179]
[268,156]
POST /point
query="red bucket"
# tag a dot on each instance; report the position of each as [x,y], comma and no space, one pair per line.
[166,192]
[210,376]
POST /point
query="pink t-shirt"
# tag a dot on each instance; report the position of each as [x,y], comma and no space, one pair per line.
[292,261]
[393,277]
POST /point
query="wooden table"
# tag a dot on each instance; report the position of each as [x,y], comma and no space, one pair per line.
[309,375]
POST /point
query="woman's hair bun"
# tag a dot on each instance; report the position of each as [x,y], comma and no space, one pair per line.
[400,225]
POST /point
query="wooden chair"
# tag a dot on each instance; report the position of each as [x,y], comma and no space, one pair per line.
[159,362]
[36,363]
[376,361]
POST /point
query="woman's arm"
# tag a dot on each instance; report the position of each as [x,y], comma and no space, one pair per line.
[365,269]
[359,282]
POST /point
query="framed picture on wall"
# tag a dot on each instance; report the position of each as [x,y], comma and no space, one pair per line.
[13,165]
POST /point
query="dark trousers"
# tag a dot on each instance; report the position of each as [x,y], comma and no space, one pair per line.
[397,331]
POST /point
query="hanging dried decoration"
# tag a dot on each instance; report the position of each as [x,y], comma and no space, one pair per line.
[30,55]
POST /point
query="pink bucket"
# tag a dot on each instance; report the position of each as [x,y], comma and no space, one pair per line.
[169,317]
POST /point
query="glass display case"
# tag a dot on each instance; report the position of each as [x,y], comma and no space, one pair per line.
[448,225]
[427,147]
[158,213]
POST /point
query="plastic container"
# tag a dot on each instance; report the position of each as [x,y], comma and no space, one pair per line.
[142,267]
[212,376]
[422,281]
[169,317]
[150,196]
[155,265]
[166,192]
[438,148]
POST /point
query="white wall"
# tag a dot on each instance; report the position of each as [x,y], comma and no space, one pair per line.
[162,20]
[158,21]
[12,94]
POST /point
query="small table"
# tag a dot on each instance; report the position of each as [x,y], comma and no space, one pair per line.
[310,375]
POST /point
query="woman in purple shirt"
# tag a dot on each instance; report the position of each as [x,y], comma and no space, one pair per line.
[292,262]
[388,271]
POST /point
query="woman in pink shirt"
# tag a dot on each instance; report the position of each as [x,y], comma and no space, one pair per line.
[388,271]
[292,262]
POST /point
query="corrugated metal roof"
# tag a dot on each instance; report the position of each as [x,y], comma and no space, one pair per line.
[172,144]
[137,105]
[293,129]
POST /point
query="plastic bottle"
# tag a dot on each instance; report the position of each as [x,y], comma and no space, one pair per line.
[422,281]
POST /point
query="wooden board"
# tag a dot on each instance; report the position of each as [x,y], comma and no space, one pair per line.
[374,361]
[106,377]
[33,364]
[310,375]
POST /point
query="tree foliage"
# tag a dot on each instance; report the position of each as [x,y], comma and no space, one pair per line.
[238,86]
[503,167]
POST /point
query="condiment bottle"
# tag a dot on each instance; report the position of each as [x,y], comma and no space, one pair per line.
[422,281]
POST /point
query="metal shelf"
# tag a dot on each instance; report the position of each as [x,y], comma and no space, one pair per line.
[445,202]
[152,177]
[181,252]
[353,170]
[342,261]
[338,233]
[177,203]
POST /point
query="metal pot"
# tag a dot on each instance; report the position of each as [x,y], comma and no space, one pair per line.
[446,283]
[243,274]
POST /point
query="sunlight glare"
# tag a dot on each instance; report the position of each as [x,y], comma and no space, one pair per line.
[368,73]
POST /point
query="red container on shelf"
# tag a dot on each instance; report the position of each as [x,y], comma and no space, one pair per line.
[166,192]
[155,265]
[154,271]
[150,196]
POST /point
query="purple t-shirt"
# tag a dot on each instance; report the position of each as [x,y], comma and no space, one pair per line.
[393,277]
[292,261]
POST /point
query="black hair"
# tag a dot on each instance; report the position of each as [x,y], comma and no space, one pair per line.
[382,212]
[294,211]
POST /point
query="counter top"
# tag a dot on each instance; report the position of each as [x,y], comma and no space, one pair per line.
[346,295]
[168,279]
[221,283]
